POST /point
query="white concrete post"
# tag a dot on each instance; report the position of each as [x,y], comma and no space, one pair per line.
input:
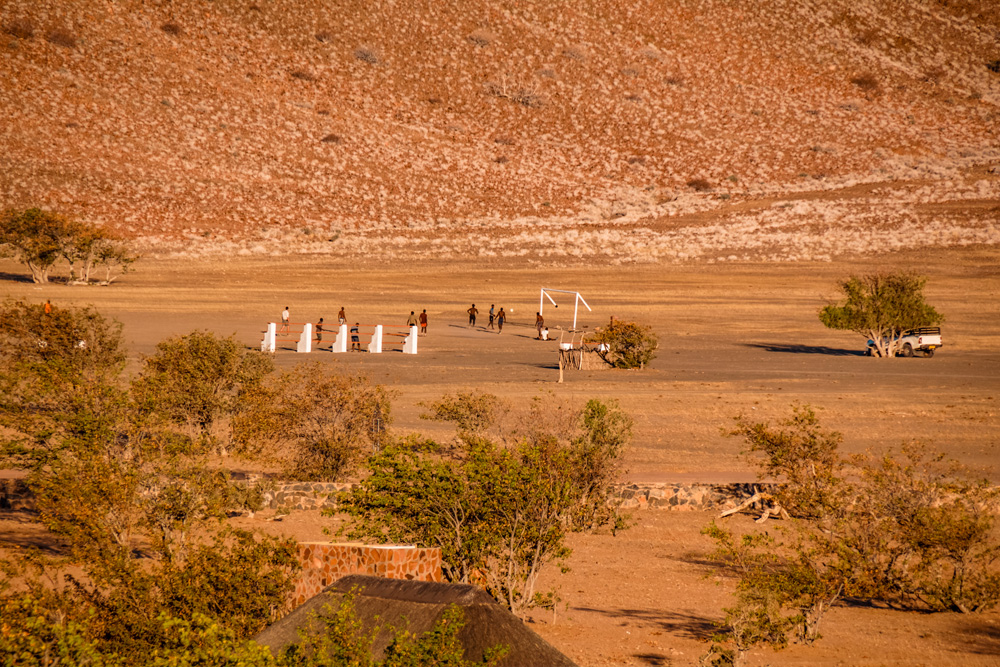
[410,342]
[267,345]
[376,345]
[340,342]
[306,339]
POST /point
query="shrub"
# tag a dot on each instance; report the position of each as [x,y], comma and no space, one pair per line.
[172,29]
[499,514]
[481,38]
[473,413]
[318,424]
[908,530]
[366,55]
[699,185]
[303,75]
[62,38]
[866,82]
[20,28]
[507,89]
[625,344]
[331,139]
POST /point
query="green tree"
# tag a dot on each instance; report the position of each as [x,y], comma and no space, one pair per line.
[39,238]
[498,513]
[625,344]
[881,306]
[35,238]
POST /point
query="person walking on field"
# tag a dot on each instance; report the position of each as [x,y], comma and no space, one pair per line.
[539,323]
[472,315]
[284,320]
[423,321]
[501,318]
[319,333]
[493,315]
[411,321]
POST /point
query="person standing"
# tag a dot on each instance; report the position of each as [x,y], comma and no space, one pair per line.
[48,307]
[501,318]
[493,315]
[472,315]
[355,336]
[285,315]
[342,316]
[319,333]
[539,323]
[423,321]
[411,321]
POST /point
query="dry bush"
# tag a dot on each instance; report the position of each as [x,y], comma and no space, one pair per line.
[630,72]
[303,75]
[866,82]
[866,37]
[366,55]
[934,74]
[994,66]
[699,185]
[323,37]
[504,141]
[674,81]
[524,94]
[62,38]
[172,29]
[20,28]
[575,53]
[481,38]
[331,139]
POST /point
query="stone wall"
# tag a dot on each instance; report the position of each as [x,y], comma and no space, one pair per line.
[325,562]
[665,496]
[14,494]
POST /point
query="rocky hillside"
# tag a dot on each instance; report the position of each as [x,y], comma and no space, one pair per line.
[616,130]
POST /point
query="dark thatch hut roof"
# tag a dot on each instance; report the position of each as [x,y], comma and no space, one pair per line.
[417,606]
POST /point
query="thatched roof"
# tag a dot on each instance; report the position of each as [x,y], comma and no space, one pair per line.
[416,606]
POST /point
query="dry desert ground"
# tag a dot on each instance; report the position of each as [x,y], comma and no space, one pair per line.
[735,338]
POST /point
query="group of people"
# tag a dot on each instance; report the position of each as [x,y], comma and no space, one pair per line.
[414,320]
[496,318]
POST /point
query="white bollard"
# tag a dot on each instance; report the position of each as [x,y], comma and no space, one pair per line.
[267,345]
[410,342]
[375,346]
[340,342]
[305,343]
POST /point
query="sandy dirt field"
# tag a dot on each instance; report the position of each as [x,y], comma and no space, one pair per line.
[739,337]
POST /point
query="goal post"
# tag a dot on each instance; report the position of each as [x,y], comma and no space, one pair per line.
[547,293]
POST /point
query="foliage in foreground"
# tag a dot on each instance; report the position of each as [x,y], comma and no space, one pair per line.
[498,513]
[881,306]
[32,635]
[127,484]
[625,344]
[905,530]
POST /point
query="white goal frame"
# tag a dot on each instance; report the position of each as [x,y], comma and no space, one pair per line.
[546,294]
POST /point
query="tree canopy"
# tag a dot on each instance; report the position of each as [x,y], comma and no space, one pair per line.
[881,306]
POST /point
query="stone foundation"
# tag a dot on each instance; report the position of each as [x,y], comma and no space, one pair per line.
[325,562]
[665,496]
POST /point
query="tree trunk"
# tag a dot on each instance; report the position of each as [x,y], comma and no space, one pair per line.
[39,274]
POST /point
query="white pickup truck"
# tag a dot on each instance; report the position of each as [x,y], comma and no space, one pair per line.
[923,339]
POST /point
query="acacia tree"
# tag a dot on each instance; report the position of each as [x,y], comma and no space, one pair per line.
[881,306]
[35,238]
[626,344]
[40,238]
